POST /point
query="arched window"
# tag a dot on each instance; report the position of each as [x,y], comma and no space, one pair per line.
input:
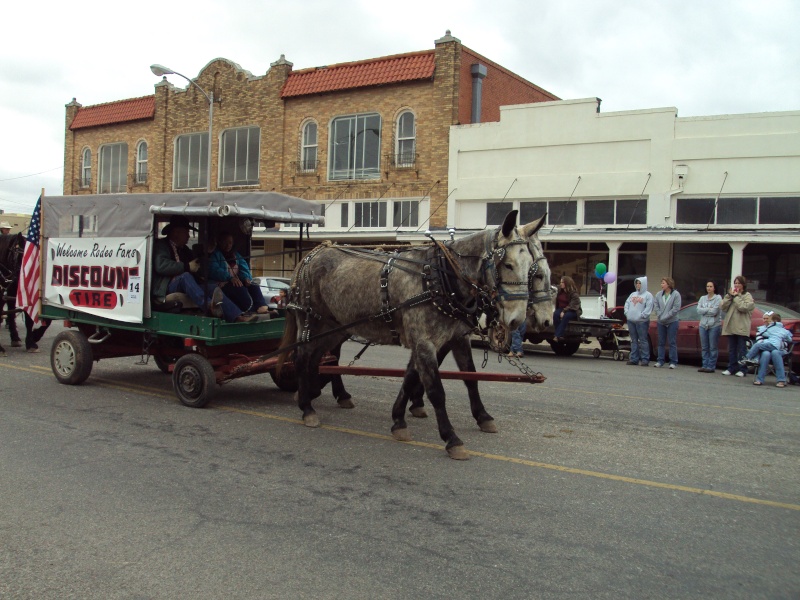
[141,162]
[86,168]
[406,144]
[308,148]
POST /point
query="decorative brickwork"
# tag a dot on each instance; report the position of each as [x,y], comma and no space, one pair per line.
[432,85]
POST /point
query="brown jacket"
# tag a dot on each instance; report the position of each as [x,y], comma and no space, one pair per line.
[738,313]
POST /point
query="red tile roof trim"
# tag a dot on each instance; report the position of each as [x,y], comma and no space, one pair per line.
[344,76]
[122,111]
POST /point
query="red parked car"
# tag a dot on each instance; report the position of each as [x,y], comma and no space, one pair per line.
[689,338]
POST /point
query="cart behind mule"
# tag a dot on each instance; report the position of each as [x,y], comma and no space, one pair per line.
[97,271]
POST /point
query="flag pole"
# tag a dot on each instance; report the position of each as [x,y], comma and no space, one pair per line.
[41,254]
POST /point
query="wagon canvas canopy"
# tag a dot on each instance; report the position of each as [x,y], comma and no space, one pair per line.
[131,215]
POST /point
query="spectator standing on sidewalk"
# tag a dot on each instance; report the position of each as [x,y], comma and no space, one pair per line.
[710,327]
[638,307]
[738,306]
[666,304]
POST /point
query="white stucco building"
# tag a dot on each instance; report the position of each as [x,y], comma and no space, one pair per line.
[644,192]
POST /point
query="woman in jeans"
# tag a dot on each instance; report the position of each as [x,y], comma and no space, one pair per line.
[666,305]
[710,327]
[738,306]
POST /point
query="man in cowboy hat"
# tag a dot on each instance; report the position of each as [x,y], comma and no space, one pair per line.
[5,228]
[174,271]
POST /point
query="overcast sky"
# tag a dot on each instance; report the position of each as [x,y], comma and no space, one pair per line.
[704,57]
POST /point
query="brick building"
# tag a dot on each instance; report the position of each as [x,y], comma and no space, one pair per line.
[369,139]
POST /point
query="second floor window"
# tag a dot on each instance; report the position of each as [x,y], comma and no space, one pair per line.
[113,169]
[355,147]
[141,163]
[191,161]
[308,152]
[406,147]
[239,160]
[86,168]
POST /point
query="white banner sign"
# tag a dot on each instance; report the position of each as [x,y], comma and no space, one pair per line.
[99,276]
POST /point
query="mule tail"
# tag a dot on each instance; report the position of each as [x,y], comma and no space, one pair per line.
[289,338]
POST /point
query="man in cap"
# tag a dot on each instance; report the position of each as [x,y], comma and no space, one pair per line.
[174,271]
[5,228]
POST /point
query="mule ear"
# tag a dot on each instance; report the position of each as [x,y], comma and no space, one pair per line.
[509,223]
[531,228]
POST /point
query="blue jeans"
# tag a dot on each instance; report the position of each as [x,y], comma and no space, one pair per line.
[759,347]
[517,336]
[709,342]
[562,322]
[776,358]
[737,346]
[187,284]
[668,333]
[640,345]
[247,297]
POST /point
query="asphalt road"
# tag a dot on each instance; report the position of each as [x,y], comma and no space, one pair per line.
[606,481]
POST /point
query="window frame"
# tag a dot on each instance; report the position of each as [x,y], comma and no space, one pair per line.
[759,212]
[86,168]
[400,141]
[356,169]
[308,164]
[141,163]
[117,184]
[201,161]
[246,178]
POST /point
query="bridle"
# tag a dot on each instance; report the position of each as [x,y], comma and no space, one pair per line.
[537,296]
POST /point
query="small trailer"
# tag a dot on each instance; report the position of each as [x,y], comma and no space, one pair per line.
[610,333]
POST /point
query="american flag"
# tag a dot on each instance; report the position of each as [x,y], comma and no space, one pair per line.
[29,289]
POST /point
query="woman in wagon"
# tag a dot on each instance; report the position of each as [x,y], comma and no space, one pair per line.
[231,270]
[638,307]
[568,307]
[738,305]
[174,269]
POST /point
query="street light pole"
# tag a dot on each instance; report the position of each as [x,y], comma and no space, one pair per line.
[161,70]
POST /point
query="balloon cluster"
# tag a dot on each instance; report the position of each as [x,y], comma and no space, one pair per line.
[601,272]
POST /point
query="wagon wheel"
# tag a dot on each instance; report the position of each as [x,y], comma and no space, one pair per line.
[163,362]
[615,355]
[193,380]
[287,381]
[71,357]
[564,348]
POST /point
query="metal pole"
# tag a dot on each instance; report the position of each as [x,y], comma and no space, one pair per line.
[210,128]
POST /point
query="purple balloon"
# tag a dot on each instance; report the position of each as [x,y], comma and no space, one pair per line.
[610,277]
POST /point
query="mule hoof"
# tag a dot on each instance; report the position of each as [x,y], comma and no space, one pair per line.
[458,453]
[346,403]
[311,420]
[402,435]
[488,426]
[418,412]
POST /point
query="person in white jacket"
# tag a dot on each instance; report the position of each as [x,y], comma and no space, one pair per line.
[638,307]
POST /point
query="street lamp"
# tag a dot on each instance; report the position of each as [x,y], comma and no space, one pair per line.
[161,70]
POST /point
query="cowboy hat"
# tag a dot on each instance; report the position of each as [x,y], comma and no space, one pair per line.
[177,221]
[5,225]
